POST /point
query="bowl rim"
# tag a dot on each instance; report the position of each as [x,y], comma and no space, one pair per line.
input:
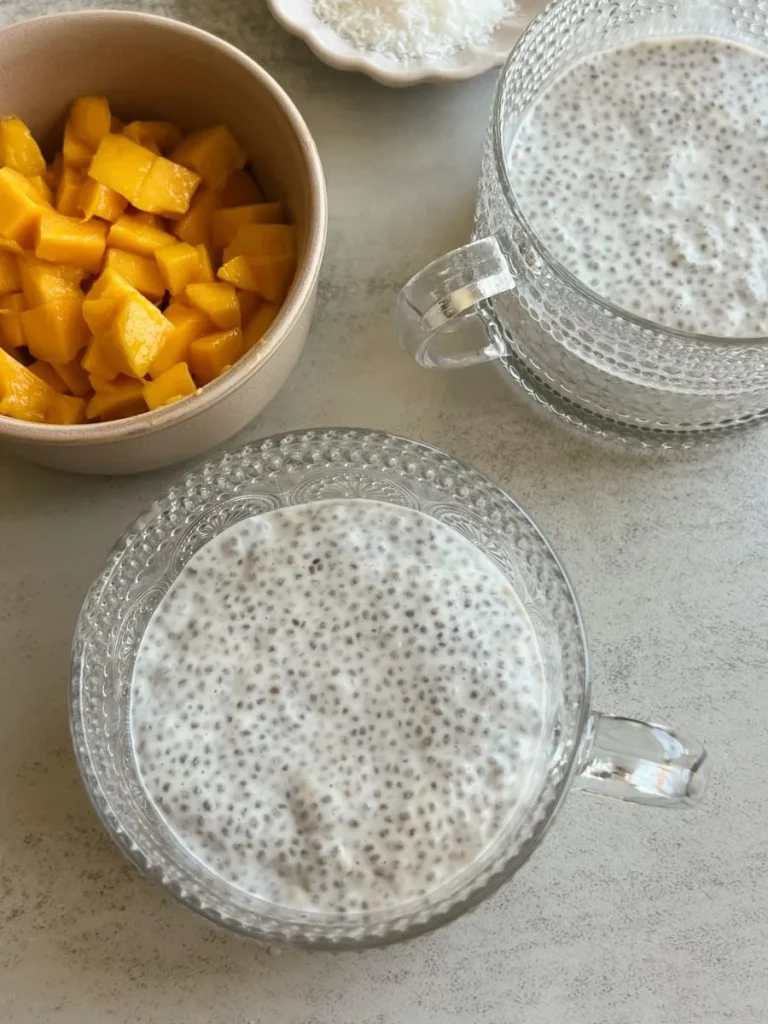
[302,288]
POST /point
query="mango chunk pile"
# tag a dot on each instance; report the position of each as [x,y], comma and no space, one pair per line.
[135,268]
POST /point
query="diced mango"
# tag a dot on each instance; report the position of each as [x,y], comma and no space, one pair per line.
[262,240]
[159,136]
[189,324]
[206,266]
[195,226]
[213,152]
[152,219]
[96,359]
[73,376]
[54,171]
[169,387]
[44,282]
[179,265]
[18,149]
[101,303]
[226,222]
[56,331]
[68,192]
[11,332]
[22,395]
[270,276]
[122,397]
[65,410]
[210,355]
[218,301]
[167,189]
[96,200]
[249,303]
[6,245]
[133,235]
[46,372]
[21,207]
[138,334]
[90,120]
[259,324]
[10,281]
[111,285]
[73,242]
[76,153]
[41,186]
[239,190]
[140,271]
[122,164]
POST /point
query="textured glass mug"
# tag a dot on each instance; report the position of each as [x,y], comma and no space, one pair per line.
[602,368]
[611,756]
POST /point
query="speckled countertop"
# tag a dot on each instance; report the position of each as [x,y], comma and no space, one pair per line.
[625,915]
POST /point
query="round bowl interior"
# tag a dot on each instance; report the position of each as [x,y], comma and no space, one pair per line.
[151,67]
[294,469]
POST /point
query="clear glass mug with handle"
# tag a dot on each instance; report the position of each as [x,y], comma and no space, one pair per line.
[615,757]
[504,298]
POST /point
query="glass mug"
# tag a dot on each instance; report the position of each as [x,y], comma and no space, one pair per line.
[600,367]
[616,757]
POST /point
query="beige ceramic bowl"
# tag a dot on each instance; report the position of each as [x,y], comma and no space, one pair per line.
[156,68]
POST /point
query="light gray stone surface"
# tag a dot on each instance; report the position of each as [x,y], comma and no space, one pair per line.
[625,915]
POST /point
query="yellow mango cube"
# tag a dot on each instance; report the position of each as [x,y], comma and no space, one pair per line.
[132,234]
[18,149]
[21,207]
[56,331]
[210,355]
[169,387]
[76,153]
[90,120]
[46,372]
[42,186]
[270,276]
[213,152]
[44,282]
[140,271]
[179,265]
[68,192]
[159,136]
[122,164]
[10,279]
[66,410]
[95,200]
[218,300]
[262,240]
[195,226]
[96,360]
[206,265]
[240,190]
[189,324]
[73,376]
[121,397]
[11,331]
[167,189]
[152,219]
[225,223]
[259,324]
[6,245]
[73,242]
[22,395]
[138,334]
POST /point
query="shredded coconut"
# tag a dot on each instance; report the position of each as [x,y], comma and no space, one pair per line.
[408,29]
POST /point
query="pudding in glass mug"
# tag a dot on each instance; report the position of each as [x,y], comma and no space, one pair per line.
[620,262]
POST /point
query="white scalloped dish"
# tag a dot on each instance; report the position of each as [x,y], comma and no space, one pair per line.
[298,18]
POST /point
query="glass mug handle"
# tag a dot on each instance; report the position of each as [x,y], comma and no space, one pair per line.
[641,762]
[437,300]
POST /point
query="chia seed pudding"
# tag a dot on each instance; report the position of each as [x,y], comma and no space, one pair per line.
[338,706]
[643,171]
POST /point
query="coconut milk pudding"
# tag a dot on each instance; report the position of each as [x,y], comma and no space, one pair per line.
[643,171]
[338,706]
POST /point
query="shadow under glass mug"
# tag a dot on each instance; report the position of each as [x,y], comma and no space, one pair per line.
[581,749]
[601,368]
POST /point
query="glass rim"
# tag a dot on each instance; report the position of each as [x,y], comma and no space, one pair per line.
[553,264]
[110,818]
